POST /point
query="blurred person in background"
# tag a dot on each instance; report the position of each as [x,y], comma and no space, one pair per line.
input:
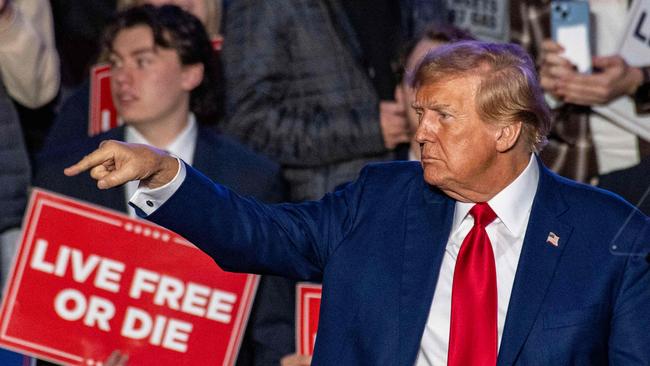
[208,11]
[29,63]
[310,84]
[78,26]
[584,144]
[622,157]
[29,76]
[71,122]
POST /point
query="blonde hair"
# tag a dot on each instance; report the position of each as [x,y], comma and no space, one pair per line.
[213,13]
[509,90]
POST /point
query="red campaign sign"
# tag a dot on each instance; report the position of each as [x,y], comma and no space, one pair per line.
[103,115]
[307,310]
[87,281]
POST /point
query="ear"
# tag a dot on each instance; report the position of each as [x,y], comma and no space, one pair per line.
[507,136]
[192,76]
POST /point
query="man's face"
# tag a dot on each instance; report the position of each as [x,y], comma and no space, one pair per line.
[147,82]
[458,148]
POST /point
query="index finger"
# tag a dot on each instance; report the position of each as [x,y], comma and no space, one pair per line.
[549,45]
[89,161]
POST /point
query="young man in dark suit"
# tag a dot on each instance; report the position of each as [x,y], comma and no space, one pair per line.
[162,80]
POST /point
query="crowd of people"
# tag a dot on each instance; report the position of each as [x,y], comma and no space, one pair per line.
[283,101]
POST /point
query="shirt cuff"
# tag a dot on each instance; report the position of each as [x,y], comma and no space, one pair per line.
[147,200]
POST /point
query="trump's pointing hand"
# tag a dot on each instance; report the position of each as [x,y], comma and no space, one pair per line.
[115,163]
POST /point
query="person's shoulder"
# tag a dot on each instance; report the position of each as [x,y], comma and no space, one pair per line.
[393,172]
[408,167]
[596,200]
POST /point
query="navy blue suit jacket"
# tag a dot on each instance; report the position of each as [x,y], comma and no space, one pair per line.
[270,334]
[378,244]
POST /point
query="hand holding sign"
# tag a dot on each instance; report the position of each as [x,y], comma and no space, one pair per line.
[115,163]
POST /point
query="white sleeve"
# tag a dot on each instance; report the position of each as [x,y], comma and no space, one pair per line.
[148,200]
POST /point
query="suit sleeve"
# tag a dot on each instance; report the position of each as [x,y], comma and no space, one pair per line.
[629,342]
[245,235]
[285,98]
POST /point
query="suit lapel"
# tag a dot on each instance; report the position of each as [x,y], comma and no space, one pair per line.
[428,222]
[536,267]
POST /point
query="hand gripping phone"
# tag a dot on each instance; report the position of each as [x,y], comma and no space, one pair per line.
[571,29]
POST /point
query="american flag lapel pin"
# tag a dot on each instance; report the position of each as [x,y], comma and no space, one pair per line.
[553,239]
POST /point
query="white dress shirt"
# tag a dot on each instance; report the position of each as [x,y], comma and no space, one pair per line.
[512,206]
[182,147]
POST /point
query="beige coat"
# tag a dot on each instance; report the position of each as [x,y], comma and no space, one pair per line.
[29,63]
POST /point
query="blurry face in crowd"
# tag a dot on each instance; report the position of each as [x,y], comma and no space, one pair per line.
[459,149]
[407,94]
[195,7]
[148,83]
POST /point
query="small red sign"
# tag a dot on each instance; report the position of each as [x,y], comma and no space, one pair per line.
[308,297]
[87,281]
[217,43]
[103,115]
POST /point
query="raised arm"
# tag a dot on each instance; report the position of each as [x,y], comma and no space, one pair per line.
[115,163]
[240,234]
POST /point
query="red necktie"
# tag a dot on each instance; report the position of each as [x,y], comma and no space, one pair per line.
[473,331]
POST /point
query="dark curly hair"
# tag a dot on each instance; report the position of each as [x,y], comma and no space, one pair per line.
[174,28]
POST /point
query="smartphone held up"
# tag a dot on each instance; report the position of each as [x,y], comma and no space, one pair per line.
[570,29]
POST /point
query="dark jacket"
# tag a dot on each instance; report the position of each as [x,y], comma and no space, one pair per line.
[14,165]
[297,91]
